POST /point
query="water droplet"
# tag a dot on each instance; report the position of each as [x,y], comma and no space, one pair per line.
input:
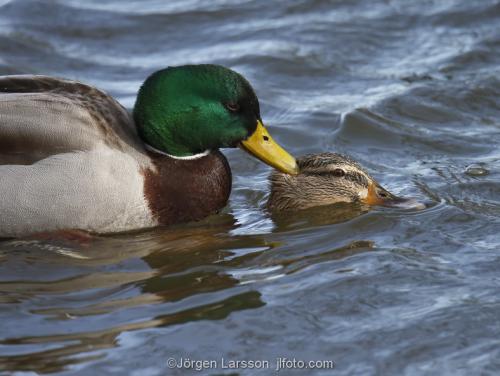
[476,170]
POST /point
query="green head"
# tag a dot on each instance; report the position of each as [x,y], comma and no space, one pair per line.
[188,109]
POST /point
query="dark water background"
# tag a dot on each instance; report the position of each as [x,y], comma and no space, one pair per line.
[408,88]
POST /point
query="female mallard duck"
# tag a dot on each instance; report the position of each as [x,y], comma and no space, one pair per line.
[329,178]
[71,157]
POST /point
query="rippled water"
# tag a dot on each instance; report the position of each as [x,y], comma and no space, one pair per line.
[408,88]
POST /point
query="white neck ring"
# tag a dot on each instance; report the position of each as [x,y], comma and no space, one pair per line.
[186,158]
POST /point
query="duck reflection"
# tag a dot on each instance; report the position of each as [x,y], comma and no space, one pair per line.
[88,295]
[318,216]
[84,285]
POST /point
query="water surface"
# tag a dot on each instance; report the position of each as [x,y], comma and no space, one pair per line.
[409,89]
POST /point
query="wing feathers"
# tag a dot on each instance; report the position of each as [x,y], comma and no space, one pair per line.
[42,116]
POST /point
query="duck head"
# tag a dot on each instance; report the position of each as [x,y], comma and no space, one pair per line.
[324,179]
[191,109]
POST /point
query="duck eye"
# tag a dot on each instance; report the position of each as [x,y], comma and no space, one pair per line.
[232,106]
[338,172]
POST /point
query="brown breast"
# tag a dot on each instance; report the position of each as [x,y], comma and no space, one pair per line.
[187,190]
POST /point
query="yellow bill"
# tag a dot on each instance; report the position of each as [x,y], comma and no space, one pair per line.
[261,145]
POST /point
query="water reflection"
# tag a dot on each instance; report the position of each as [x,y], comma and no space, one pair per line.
[319,215]
[169,270]
[197,272]
[71,348]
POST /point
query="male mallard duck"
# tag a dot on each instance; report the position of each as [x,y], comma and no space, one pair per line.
[329,178]
[71,157]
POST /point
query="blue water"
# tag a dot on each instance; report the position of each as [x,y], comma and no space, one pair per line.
[409,89]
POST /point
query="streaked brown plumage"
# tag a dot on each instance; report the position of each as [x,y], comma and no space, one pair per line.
[324,179]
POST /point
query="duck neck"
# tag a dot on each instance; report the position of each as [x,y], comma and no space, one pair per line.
[182,190]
